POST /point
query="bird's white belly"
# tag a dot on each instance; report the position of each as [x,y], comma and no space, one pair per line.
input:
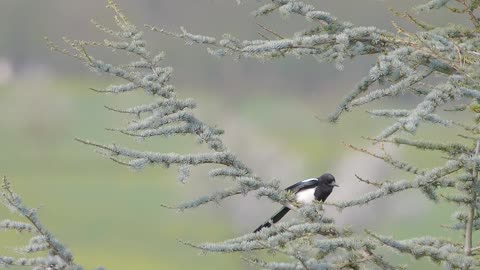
[306,196]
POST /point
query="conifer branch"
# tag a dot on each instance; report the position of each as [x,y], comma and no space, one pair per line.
[437,250]
[430,179]
[453,149]
[59,256]
[401,165]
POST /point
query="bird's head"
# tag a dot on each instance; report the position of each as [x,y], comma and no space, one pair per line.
[327,180]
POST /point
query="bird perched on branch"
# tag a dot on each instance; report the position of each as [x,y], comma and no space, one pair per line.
[305,192]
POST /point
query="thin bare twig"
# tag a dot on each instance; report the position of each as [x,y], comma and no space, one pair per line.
[367,181]
[270,31]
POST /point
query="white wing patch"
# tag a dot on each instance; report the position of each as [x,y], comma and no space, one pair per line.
[305,196]
[309,179]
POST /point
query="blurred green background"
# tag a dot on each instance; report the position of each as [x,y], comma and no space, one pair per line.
[111,216]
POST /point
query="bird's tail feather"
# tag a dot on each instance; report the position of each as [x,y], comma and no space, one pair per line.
[274,219]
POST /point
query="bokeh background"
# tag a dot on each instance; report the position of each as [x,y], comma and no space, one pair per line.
[111,216]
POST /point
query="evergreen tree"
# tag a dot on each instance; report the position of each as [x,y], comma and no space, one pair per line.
[439,64]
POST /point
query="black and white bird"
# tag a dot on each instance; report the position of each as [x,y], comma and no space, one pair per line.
[305,192]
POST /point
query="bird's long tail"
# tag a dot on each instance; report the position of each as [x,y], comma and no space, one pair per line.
[274,219]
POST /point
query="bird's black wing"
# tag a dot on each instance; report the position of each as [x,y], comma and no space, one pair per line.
[305,184]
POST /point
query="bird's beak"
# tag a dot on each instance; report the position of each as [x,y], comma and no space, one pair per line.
[334,184]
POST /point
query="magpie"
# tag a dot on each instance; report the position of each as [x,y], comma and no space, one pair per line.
[305,192]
